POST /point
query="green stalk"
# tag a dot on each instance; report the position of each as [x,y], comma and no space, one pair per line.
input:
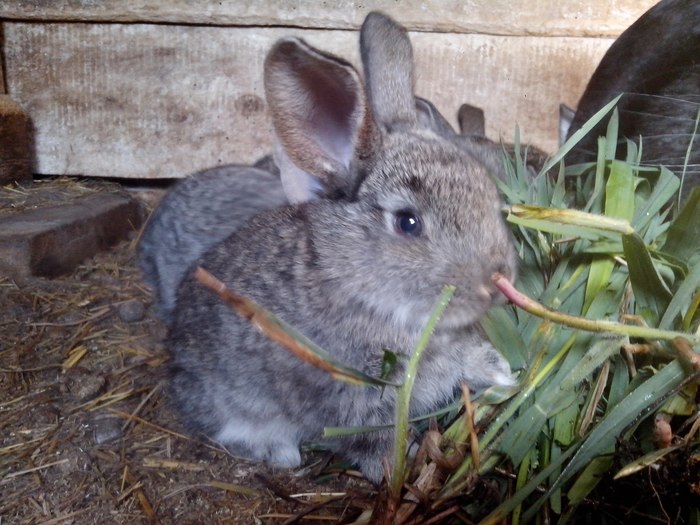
[404,395]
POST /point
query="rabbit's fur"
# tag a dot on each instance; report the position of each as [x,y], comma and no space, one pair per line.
[358,272]
[197,213]
[204,208]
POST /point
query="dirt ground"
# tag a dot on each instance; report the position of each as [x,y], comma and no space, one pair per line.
[86,432]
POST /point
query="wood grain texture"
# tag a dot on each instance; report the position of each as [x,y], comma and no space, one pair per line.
[15,143]
[495,17]
[159,101]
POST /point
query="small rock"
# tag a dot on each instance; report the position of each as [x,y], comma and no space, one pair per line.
[132,311]
[107,429]
[84,386]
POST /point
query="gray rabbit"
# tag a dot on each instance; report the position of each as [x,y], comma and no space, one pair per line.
[204,208]
[199,212]
[404,212]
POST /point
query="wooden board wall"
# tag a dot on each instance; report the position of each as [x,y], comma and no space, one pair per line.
[139,99]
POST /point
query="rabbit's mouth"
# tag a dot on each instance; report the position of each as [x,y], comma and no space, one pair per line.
[467,307]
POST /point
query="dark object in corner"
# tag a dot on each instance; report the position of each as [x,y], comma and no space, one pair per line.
[656,64]
[16,148]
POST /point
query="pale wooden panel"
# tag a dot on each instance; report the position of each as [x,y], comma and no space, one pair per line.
[161,101]
[496,17]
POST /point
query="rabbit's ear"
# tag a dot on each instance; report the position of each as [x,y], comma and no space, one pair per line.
[387,58]
[471,120]
[299,186]
[321,119]
[566,117]
[429,117]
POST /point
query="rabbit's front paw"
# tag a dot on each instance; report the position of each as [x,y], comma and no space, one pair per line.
[266,442]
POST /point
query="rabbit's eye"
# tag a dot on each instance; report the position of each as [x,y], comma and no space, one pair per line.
[408,222]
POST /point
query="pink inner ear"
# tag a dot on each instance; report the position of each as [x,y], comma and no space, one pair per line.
[332,115]
[319,111]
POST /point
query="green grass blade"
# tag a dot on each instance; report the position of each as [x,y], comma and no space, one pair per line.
[619,191]
[664,190]
[611,135]
[499,514]
[683,240]
[650,291]
[503,333]
[682,299]
[403,396]
[633,408]
[589,479]
[687,154]
[578,135]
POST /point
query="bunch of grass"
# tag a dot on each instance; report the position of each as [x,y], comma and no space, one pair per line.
[603,334]
[610,340]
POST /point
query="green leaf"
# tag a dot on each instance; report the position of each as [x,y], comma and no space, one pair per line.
[499,514]
[683,240]
[611,135]
[634,407]
[650,292]
[664,189]
[388,363]
[588,479]
[618,384]
[619,191]
[599,273]
[619,204]
[578,135]
[521,435]
[645,461]
[597,354]
[503,333]
[682,299]
[564,433]
[688,151]
[403,395]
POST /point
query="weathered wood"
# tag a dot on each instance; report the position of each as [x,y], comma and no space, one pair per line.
[495,17]
[53,241]
[160,101]
[15,145]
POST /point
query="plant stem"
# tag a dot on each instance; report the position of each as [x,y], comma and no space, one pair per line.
[404,395]
[531,306]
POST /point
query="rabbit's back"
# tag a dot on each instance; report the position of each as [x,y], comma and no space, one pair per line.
[200,211]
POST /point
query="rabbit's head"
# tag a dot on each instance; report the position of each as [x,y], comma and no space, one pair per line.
[411,210]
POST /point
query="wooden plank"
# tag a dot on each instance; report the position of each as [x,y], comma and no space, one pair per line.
[51,241]
[2,68]
[156,101]
[495,17]
[15,143]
